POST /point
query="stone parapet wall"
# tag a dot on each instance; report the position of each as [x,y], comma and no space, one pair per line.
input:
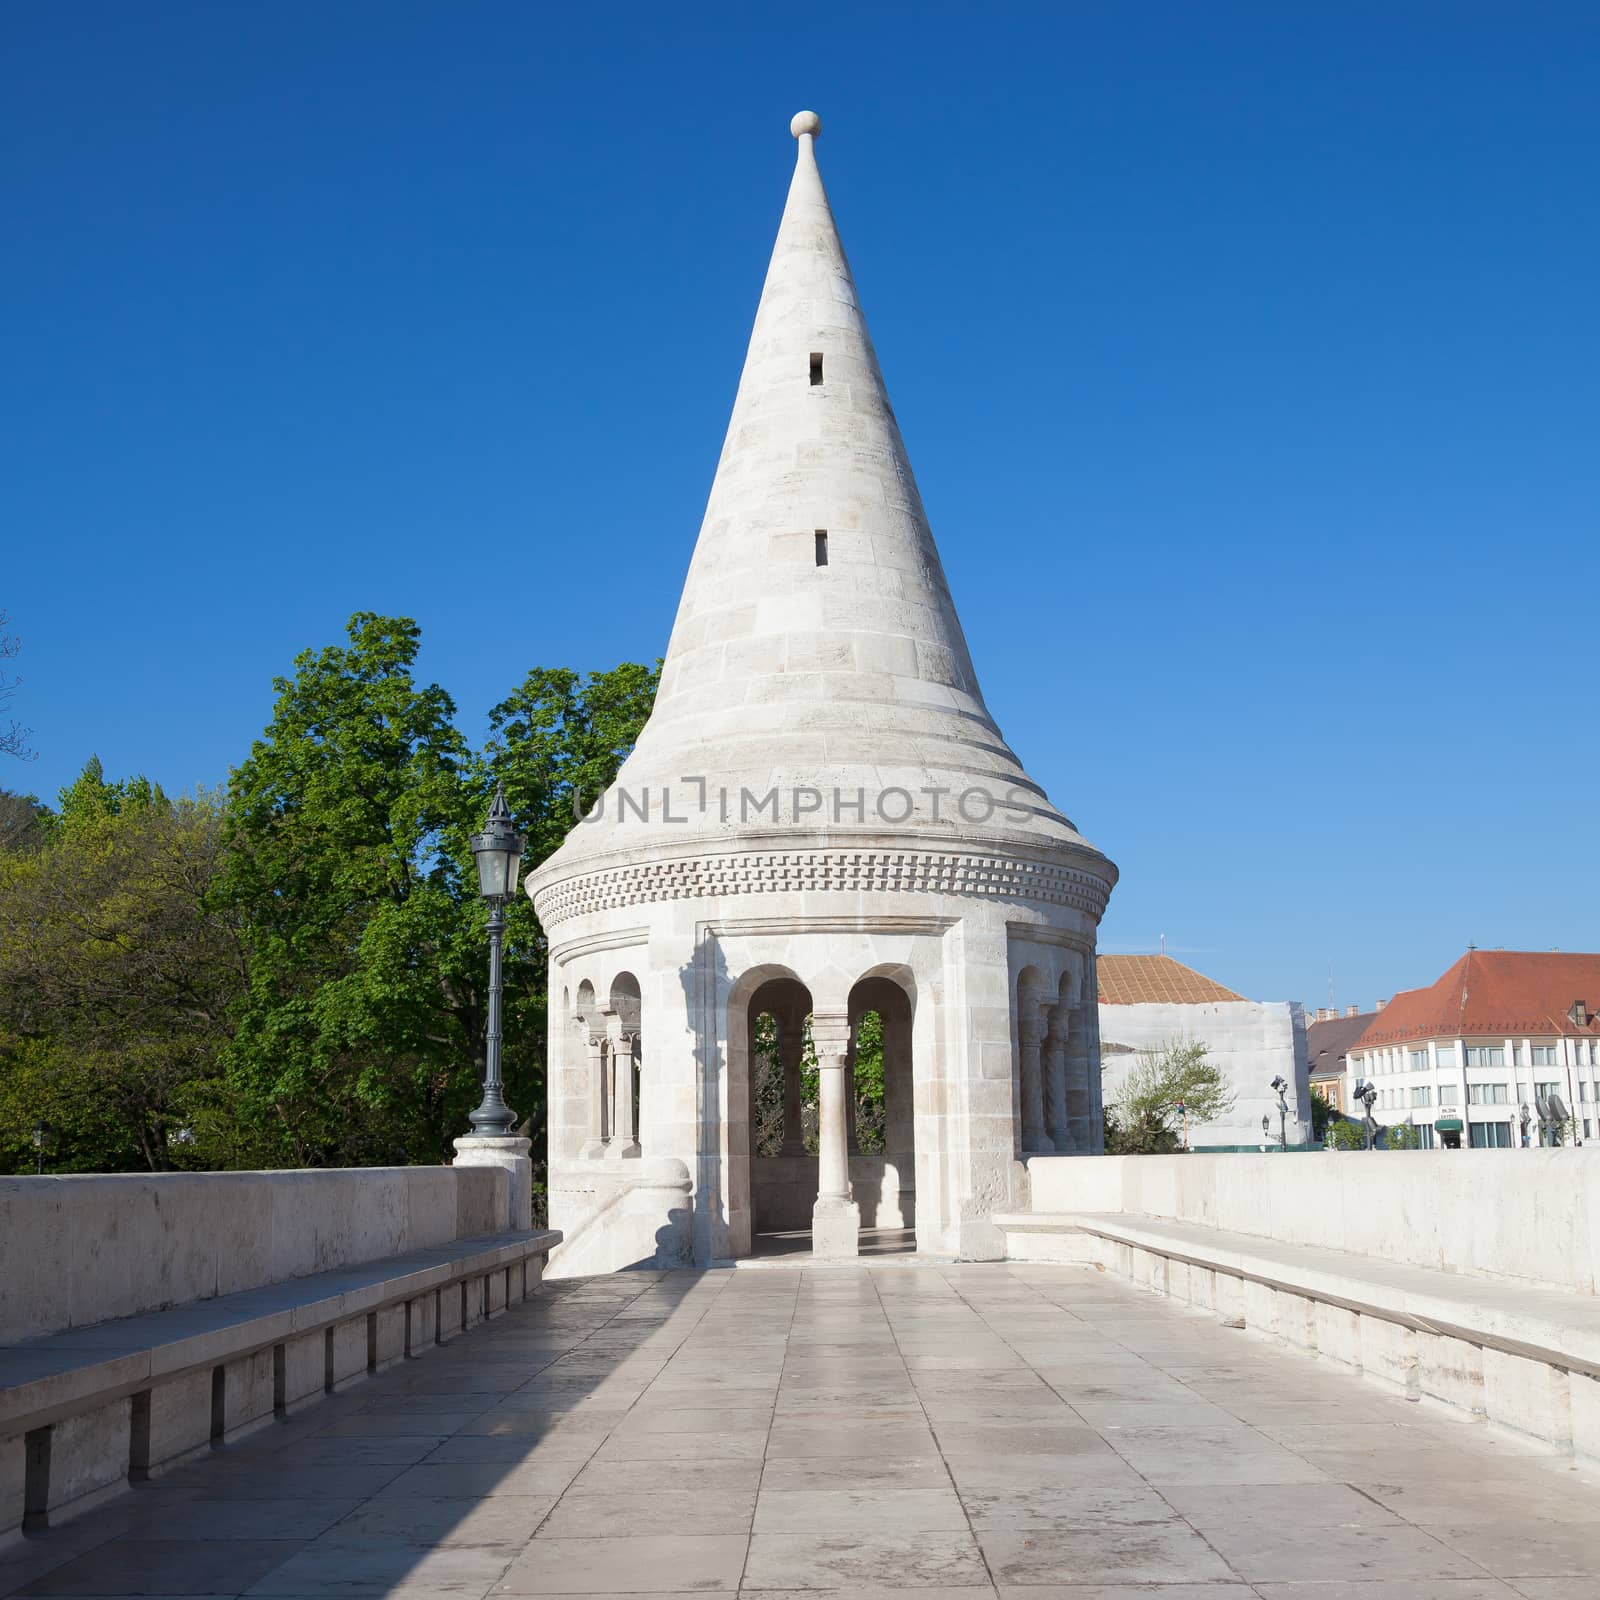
[1512,1215]
[81,1250]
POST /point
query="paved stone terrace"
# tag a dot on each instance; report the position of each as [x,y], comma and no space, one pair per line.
[940,1431]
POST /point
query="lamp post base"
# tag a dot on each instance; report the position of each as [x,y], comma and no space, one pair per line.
[510,1152]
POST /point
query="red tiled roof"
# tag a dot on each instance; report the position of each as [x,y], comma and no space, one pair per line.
[1156,980]
[1497,994]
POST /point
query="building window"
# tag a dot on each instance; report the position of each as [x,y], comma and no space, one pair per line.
[1583,1090]
[822,547]
[1544,1055]
[1417,1060]
[1586,1127]
[1519,1053]
[1486,1055]
[1448,1094]
[1490,1135]
[816,369]
[1421,1094]
[1543,1091]
[1488,1094]
[1425,1133]
[1445,1054]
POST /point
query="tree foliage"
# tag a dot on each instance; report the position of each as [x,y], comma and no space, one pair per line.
[1144,1118]
[117,979]
[293,973]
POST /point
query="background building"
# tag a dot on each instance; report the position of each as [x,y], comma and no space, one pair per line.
[1149,1001]
[1502,1051]
[1329,1036]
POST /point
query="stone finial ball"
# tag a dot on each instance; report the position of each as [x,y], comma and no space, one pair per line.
[805,122]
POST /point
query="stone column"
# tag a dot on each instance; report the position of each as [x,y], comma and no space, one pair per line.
[1053,1057]
[1029,1032]
[835,1219]
[623,1145]
[791,1047]
[595,1059]
[1080,1110]
[1092,1140]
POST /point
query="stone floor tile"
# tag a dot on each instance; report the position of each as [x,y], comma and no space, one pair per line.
[202,1519]
[621,1514]
[627,1566]
[1519,1550]
[372,1568]
[1401,1589]
[808,1561]
[865,1510]
[1009,1439]
[782,1474]
[1159,1553]
[682,1447]
[375,1450]
[1126,1591]
[1267,1550]
[900,1435]
[492,1519]
[1093,1504]
[167,1567]
[713,1478]
[464,1480]
[691,1419]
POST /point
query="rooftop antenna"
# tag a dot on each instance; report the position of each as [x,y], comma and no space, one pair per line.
[1163,944]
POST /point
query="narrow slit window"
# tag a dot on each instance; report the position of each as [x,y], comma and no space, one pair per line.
[816,369]
[822,547]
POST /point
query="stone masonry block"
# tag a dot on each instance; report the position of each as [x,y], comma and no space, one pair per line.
[175,1426]
[247,1394]
[1260,1309]
[422,1325]
[388,1337]
[1295,1318]
[1450,1372]
[1339,1335]
[1389,1354]
[347,1353]
[495,1293]
[13,1476]
[1227,1296]
[449,1311]
[88,1452]
[1527,1397]
[305,1370]
[1584,1394]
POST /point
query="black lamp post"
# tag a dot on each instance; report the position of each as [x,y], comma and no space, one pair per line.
[44,1138]
[498,852]
[1281,1086]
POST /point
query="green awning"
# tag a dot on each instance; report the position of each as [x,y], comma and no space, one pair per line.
[1448,1124]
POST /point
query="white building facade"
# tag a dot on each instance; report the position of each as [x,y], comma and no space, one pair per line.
[820,821]
[1491,1056]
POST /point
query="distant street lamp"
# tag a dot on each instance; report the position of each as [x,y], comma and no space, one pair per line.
[1280,1085]
[1266,1125]
[1367,1094]
[498,852]
[44,1141]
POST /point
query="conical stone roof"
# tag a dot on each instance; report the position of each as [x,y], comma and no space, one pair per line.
[817,651]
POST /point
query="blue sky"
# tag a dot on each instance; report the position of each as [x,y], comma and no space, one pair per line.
[1248,357]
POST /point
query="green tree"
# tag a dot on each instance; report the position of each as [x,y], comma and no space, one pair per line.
[1144,1118]
[117,978]
[351,874]
[1346,1134]
[1402,1136]
[1321,1113]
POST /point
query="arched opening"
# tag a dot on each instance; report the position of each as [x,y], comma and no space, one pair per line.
[883,1112]
[783,1110]
[624,1046]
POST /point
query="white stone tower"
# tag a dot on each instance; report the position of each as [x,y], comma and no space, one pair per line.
[820,819]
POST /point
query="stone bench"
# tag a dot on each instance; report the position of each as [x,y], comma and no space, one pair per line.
[84,1411]
[1523,1358]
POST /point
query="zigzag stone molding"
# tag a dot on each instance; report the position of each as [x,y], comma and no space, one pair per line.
[932,872]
